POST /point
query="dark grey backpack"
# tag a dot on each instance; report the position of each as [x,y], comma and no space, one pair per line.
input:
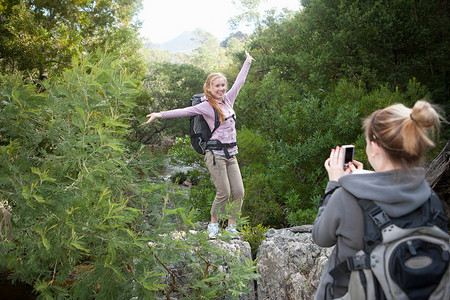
[403,258]
[199,131]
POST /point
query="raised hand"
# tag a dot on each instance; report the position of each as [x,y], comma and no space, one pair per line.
[249,57]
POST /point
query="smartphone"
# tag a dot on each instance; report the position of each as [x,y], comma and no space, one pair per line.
[349,152]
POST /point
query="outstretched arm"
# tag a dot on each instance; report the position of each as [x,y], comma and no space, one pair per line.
[200,109]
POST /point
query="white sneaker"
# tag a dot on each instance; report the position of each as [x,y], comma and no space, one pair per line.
[232,231]
[213,230]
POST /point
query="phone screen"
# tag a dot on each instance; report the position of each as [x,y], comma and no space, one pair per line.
[348,155]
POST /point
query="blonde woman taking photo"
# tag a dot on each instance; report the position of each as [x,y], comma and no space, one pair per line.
[396,141]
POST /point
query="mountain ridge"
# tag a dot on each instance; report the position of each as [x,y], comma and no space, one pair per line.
[183,43]
[189,40]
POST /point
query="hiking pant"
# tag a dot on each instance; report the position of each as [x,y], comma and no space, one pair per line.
[228,182]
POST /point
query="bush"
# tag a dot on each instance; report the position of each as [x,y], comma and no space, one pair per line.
[285,146]
[82,219]
[182,153]
[260,202]
[254,236]
[201,198]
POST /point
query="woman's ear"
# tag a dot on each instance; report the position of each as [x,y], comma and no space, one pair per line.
[376,149]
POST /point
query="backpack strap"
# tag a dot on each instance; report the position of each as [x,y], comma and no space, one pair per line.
[341,272]
[374,220]
[437,213]
[218,145]
[216,120]
[233,115]
[235,121]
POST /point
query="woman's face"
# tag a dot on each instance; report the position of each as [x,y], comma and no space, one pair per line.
[218,88]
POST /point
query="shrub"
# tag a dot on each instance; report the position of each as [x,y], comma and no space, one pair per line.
[260,202]
[254,236]
[182,153]
[81,217]
[201,197]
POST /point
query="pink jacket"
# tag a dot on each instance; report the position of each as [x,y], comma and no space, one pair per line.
[226,132]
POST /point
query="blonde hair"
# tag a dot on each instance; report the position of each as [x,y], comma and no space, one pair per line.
[206,90]
[403,132]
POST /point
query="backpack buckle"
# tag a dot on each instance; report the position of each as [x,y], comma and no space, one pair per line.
[438,218]
[358,262]
[379,217]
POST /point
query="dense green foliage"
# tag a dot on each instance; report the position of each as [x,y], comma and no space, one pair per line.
[166,86]
[39,36]
[303,128]
[325,68]
[371,42]
[254,236]
[84,225]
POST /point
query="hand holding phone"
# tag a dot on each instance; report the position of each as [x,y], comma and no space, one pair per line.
[337,165]
[349,152]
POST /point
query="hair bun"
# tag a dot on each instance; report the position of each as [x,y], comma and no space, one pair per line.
[424,115]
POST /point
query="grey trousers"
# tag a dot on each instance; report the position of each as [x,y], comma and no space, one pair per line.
[227,179]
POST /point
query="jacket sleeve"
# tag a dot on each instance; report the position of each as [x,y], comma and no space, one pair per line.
[200,109]
[239,82]
[328,218]
[340,220]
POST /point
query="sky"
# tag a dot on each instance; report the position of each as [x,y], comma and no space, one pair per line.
[164,20]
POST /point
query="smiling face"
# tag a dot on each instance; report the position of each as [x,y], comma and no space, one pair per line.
[218,88]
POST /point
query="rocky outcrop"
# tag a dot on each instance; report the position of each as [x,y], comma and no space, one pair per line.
[290,265]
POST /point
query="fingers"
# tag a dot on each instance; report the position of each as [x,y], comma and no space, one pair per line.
[151,118]
[327,164]
[358,164]
[351,167]
[335,157]
[334,164]
[249,57]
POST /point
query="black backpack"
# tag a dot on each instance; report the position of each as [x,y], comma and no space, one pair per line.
[199,131]
[403,258]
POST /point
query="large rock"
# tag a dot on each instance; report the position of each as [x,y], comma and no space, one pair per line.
[290,265]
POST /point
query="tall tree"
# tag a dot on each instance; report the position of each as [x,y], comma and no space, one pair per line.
[209,55]
[368,41]
[39,35]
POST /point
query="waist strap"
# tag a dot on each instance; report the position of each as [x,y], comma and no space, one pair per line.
[218,145]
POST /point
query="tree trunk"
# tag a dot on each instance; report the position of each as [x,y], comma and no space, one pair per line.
[438,176]
[439,166]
